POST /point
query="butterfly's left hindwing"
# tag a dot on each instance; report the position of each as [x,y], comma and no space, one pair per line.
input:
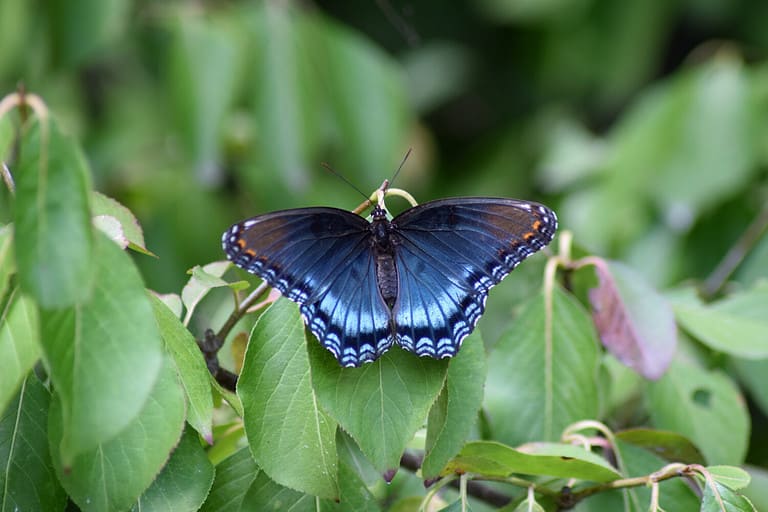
[449,254]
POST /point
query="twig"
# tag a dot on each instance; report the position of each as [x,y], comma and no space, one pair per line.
[735,255]
[476,489]
[212,342]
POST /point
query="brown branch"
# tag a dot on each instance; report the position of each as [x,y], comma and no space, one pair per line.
[476,489]
[212,342]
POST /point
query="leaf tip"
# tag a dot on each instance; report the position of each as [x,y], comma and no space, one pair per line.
[389,475]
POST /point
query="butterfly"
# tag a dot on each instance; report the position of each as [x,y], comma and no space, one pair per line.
[419,280]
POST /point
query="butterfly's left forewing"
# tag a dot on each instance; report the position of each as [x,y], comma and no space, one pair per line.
[321,259]
[449,254]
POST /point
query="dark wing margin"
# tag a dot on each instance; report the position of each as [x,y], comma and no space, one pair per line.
[321,259]
[450,253]
[296,251]
[351,319]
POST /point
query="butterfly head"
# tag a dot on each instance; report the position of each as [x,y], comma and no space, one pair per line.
[379,212]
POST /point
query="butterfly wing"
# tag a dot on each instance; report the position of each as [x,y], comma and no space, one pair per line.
[450,252]
[321,259]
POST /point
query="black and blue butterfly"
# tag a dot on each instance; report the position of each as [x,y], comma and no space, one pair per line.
[419,280]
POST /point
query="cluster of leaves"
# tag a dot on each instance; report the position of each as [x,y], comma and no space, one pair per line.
[97,376]
[102,420]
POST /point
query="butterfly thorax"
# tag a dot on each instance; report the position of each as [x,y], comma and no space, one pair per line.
[384,254]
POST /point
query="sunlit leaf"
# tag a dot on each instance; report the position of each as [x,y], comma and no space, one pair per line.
[189,362]
[130,229]
[730,476]
[53,237]
[291,438]
[104,354]
[19,343]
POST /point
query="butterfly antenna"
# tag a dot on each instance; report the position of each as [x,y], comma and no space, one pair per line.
[400,167]
[344,179]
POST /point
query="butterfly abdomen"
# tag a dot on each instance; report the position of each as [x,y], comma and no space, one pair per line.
[386,277]
[384,254]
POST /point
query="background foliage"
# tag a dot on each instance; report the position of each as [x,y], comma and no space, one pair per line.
[644,124]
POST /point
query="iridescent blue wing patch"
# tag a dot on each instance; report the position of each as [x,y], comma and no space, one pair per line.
[321,259]
[449,254]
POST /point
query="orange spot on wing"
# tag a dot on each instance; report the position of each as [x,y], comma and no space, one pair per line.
[251,253]
[536,225]
[528,235]
[241,243]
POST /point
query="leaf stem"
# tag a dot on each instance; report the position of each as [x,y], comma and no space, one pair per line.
[735,255]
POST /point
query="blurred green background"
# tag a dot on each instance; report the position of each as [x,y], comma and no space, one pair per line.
[643,123]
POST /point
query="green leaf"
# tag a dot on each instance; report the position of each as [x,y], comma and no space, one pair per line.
[133,236]
[53,232]
[234,476]
[536,388]
[19,343]
[633,321]
[736,325]
[111,227]
[757,492]
[668,445]
[193,372]
[753,374]
[730,476]
[351,455]
[172,302]
[711,147]
[264,494]
[104,355]
[85,29]
[719,498]
[490,458]
[203,280]
[455,411]
[675,494]
[354,496]
[528,506]
[382,404]
[7,263]
[704,406]
[184,482]
[27,479]
[291,438]
[113,474]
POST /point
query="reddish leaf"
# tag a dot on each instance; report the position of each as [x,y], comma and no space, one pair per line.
[634,322]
